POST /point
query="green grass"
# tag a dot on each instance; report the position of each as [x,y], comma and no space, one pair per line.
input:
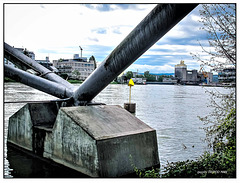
[74,81]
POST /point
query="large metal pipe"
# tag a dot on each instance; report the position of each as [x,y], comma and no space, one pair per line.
[25,62]
[154,26]
[39,83]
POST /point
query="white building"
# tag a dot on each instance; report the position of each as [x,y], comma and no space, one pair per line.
[70,66]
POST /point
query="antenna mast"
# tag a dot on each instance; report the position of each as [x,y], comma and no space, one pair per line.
[81,50]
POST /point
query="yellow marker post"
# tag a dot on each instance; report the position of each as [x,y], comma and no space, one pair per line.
[131,83]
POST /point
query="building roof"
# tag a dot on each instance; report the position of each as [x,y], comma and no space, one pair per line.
[181,64]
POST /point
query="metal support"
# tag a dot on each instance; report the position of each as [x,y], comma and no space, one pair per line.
[24,62]
[154,26]
[39,83]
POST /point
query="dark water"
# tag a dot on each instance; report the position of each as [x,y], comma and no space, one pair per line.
[170,109]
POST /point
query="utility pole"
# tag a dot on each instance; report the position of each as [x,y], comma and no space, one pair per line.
[81,50]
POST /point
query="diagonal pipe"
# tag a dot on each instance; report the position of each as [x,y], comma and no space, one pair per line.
[36,82]
[154,26]
[24,62]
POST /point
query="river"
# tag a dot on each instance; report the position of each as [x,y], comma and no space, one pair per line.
[172,110]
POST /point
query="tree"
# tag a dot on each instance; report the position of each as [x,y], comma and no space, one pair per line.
[129,74]
[219,21]
[92,58]
[76,74]
[149,76]
[160,78]
[64,76]
[146,74]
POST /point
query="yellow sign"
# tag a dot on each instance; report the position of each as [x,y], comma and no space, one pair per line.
[131,83]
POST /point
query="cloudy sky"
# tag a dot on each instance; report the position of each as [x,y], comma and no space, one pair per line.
[57,31]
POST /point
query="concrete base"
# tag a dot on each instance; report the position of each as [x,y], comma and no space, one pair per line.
[95,140]
[130,107]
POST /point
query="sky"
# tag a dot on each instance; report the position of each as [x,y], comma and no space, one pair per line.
[57,31]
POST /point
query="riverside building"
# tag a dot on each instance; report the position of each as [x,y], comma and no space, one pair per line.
[79,65]
[185,76]
[227,75]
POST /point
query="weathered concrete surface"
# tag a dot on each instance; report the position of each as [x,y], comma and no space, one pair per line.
[130,107]
[20,128]
[94,140]
[23,125]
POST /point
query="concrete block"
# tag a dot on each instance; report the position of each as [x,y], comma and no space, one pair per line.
[94,140]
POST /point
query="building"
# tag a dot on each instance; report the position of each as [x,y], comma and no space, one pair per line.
[185,76]
[169,80]
[78,65]
[227,75]
[49,65]
[181,72]
[139,80]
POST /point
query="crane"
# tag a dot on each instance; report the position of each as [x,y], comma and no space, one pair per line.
[201,70]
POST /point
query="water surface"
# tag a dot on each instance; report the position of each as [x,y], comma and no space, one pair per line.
[172,110]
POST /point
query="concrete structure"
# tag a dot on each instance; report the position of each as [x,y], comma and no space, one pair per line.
[181,71]
[95,140]
[185,76]
[80,64]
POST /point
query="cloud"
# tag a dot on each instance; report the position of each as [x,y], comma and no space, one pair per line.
[93,39]
[98,28]
[112,7]
[42,6]
[100,31]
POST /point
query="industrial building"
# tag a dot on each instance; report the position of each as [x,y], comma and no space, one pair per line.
[185,76]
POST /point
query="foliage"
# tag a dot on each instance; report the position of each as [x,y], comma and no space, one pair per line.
[92,58]
[129,74]
[160,78]
[6,79]
[153,173]
[76,74]
[215,124]
[149,76]
[139,76]
[74,81]
[219,21]
[222,163]
[64,76]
